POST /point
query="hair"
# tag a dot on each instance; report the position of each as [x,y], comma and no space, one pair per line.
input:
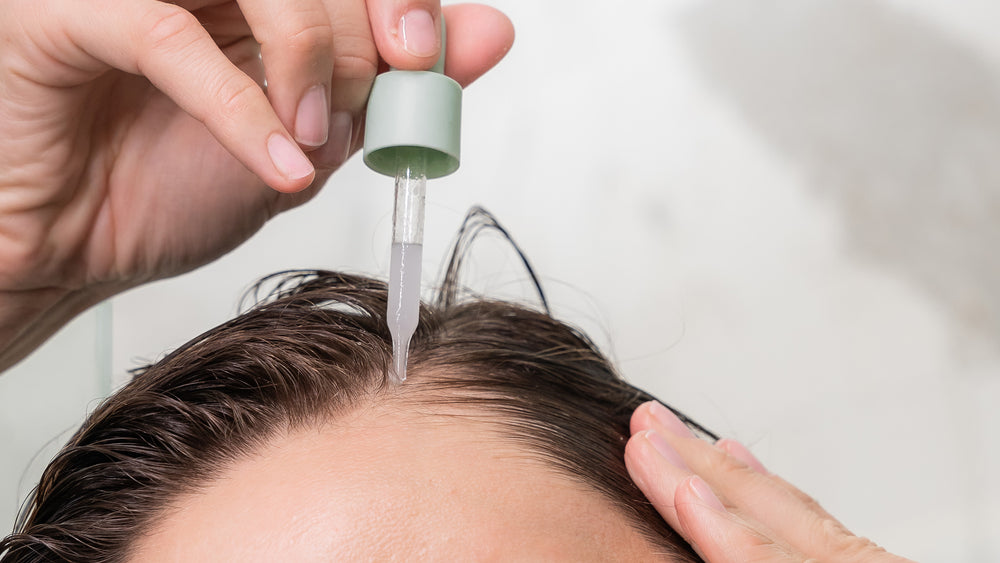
[316,347]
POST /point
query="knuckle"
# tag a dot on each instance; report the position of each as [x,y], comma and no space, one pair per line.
[842,543]
[166,26]
[235,95]
[862,549]
[719,462]
[830,528]
[355,55]
[355,67]
[312,38]
[812,504]
[866,549]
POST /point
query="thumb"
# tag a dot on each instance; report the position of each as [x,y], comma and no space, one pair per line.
[407,32]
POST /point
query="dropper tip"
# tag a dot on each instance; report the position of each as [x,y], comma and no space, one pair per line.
[400,357]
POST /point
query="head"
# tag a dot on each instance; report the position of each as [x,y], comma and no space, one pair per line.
[277,436]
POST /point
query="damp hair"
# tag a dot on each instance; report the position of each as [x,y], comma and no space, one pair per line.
[314,346]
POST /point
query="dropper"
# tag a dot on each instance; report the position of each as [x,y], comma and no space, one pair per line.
[405,260]
[412,132]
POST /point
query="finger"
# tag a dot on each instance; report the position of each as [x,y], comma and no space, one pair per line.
[478,38]
[740,452]
[355,63]
[736,482]
[296,44]
[793,516]
[657,469]
[718,535]
[343,129]
[662,475]
[166,44]
[407,32]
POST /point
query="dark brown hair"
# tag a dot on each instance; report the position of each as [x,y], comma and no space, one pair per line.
[317,346]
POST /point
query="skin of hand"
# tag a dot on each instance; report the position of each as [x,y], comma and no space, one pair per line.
[726,505]
[138,139]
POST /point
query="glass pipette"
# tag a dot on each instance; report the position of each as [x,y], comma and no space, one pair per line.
[405,263]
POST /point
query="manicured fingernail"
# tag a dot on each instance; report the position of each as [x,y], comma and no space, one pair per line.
[312,119]
[740,452]
[665,450]
[669,420]
[341,135]
[420,37]
[704,493]
[287,158]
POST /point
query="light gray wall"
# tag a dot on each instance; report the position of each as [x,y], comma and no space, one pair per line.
[781,216]
[43,400]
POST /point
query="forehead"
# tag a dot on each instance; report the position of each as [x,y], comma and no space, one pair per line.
[392,485]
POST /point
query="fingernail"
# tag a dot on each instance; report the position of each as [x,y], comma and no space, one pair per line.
[665,450]
[740,452]
[312,119]
[287,158]
[341,135]
[420,37]
[704,493]
[669,420]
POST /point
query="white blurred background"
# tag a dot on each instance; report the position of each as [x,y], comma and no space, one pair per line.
[780,216]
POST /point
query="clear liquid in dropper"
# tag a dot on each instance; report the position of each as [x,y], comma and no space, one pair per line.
[407,251]
[404,301]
